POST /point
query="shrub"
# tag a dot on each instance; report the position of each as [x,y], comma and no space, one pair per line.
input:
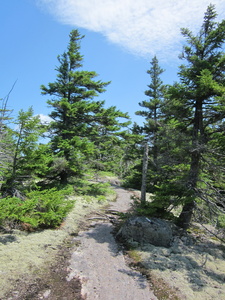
[41,209]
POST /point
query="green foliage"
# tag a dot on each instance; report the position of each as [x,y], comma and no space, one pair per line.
[133,178]
[41,161]
[108,174]
[154,208]
[152,112]
[6,141]
[83,132]
[95,189]
[6,154]
[40,209]
[190,137]
[24,152]
[73,109]
[131,161]
[221,221]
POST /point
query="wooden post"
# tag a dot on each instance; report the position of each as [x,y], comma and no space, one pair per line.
[144,173]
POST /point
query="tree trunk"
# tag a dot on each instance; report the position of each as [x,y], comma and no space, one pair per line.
[144,173]
[198,142]
[64,177]
[184,219]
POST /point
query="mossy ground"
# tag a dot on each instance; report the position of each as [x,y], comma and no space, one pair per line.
[193,268]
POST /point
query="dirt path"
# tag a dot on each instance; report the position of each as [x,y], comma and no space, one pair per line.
[102,267]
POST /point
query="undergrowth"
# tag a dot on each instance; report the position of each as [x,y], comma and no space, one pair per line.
[152,209]
[47,208]
[39,210]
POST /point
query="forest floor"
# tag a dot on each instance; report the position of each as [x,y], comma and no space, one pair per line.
[82,260]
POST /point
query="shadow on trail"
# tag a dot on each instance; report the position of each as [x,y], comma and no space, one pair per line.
[7,239]
[102,234]
[137,276]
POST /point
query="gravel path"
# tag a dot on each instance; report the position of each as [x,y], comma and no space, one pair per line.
[102,267]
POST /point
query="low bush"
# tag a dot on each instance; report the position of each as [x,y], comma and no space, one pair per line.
[40,209]
[152,209]
[47,208]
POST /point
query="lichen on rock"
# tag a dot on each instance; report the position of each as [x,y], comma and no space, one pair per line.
[142,230]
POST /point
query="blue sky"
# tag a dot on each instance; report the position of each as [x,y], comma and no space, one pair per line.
[121,37]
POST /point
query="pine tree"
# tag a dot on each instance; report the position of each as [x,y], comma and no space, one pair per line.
[78,120]
[21,168]
[6,141]
[152,115]
[73,109]
[108,137]
[195,109]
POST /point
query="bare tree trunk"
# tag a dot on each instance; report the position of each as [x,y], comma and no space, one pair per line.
[144,173]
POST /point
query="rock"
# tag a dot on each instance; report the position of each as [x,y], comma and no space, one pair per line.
[176,249]
[46,294]
[145,230]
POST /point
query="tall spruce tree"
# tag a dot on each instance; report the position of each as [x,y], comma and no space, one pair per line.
[73,109]
[196,110]
[78,120]
[152,114]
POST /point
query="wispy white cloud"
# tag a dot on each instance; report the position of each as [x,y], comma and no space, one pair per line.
[45,119]
[143,27]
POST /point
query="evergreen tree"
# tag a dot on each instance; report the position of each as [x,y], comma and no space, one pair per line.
[109,137]
[25,136]
[195,110]
[78,120]
[152,114]
[155,93]
[73,109]
[6,141]
[133,156]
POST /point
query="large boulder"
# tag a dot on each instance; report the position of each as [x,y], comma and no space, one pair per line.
[144,230]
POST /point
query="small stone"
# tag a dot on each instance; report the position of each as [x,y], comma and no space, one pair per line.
[166,252]
[46,294]
[176,250]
